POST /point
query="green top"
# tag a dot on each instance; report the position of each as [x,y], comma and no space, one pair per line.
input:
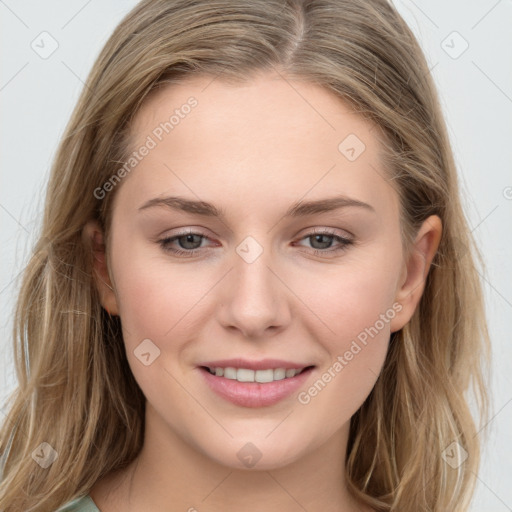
[81,504]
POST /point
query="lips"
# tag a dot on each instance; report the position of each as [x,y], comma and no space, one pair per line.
[249,391]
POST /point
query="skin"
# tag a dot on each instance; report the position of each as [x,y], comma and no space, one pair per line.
[252,150]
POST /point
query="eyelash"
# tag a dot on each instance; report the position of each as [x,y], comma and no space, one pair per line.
[345,242]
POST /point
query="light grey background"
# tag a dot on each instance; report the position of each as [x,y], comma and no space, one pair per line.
[38,94]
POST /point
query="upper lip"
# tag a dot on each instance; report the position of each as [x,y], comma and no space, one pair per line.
[262,364]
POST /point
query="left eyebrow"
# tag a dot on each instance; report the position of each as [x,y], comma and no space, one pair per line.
[298,209]
[302,208]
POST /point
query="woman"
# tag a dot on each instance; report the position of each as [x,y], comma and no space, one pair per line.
[255,286]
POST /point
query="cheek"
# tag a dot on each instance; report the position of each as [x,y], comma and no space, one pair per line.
[155,298]
[355,352]
[350,299]
[356,306]
[157,302]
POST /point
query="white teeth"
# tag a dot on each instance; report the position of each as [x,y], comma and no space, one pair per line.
[280,373]
[262,376]
[230,373]
[243,375]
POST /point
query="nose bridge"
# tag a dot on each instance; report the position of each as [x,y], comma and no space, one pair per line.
[255,300]
[252,268]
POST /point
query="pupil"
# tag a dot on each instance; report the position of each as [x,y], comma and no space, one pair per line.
[189,239]
[317,237]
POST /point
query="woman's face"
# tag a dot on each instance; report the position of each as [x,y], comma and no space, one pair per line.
[251,271]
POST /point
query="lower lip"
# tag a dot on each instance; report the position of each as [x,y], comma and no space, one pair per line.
[255,394]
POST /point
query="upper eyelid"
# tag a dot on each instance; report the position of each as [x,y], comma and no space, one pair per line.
[328,231]
[306,232]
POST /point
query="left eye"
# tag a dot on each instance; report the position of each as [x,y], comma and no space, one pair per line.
[325,239]
[190,243]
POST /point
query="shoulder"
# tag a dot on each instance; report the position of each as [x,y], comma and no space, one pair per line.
[81,504]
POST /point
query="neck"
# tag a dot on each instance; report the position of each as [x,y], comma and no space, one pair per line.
[169,472]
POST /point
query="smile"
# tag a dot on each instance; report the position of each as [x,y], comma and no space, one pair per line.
[246,387]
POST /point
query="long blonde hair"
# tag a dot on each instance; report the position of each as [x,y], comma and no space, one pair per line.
[76,391]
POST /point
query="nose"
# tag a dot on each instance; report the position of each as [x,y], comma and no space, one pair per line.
[254,300]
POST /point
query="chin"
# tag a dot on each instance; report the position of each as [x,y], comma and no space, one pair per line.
[255,455]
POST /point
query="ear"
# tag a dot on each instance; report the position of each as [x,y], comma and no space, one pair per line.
[415,270]
[92,235]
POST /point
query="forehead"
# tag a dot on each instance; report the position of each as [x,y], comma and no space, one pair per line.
[261,106]
[282,137]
